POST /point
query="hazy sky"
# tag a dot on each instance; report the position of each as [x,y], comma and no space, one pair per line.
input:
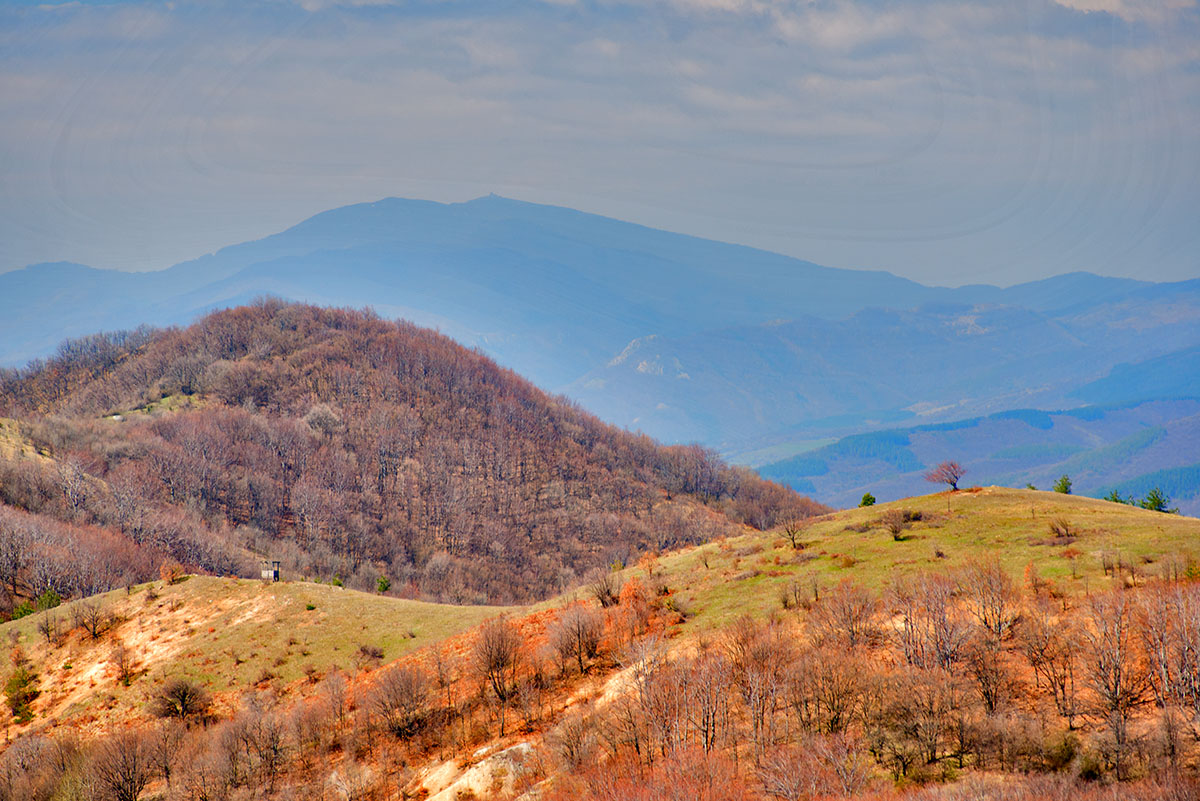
[948,142]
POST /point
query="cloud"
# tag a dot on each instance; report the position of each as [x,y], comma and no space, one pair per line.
[1156,11]
[913,136]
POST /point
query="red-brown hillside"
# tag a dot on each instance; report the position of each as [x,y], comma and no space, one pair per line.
[348,445]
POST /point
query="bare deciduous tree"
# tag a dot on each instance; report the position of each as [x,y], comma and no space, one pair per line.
[576,635]
[949,473]
[399,699]
[92,616]
[1051,644]
[181,698]
[495,656]
[848,613]
[123,767]
[991,596]
[1114,669]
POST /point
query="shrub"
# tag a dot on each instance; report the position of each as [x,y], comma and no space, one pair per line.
[383,584]
[867,499]
[399,699]
[170,571]
[20,691]
[23,609]
[181,698]
[1063,485]
[1155,501]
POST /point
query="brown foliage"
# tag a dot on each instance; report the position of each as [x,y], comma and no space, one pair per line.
[347,445]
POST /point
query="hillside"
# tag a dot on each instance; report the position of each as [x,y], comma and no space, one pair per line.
[799,379]
[347,447]
[1130,448]
[748,574]
[684,338]
[227,635]
[856,663]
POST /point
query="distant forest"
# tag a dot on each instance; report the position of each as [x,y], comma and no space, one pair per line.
[344,445]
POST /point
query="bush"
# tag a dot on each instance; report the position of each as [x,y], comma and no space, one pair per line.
[1155,501]
[399,699]
[23,609]
[867,499]
[1063,485]
[182,699]
[20,691]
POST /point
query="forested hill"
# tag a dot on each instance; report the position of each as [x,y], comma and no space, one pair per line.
[346,446]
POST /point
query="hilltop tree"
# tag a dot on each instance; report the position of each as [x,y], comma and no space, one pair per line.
[1063,484]
[1157,501]
[946,473]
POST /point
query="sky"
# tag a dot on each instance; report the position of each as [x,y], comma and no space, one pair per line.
[948,142]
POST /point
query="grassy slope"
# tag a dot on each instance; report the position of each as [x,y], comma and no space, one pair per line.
[747,574]
[12,444]
[228,632]
[225,633]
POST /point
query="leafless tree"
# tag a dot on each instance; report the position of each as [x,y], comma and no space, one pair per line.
[577,634]
[606,587]
[848,613]
[574,740]
[91,614]
[933,630]
[895,521]
[399,699]
[1114,668]
[50,627]
[794,529]
[16,540]
[708,707]
[946,473]
[73,482]
[991,596]
[986,664]
[123,766]
[181,698]
[1051,643]
[164,748]
[495,656]
[121,658]
[333,691]
[264,737]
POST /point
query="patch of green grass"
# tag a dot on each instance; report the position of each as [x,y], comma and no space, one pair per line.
[228,633]
[995,523]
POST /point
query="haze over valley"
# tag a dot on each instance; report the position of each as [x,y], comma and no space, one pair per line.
[595,400]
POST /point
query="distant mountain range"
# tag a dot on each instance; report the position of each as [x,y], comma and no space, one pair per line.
[750,352]
[1128,448]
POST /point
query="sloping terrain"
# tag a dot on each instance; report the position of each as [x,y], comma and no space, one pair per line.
[347,447]
[1130,448]
[683,338]
[749,574]
[807,378]
[228,635]
[729,671]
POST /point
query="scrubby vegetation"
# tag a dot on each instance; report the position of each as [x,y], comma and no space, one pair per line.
[968,683]
[346,447]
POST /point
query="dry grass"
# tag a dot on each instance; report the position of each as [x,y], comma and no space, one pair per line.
[1010,525]
[228,634]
